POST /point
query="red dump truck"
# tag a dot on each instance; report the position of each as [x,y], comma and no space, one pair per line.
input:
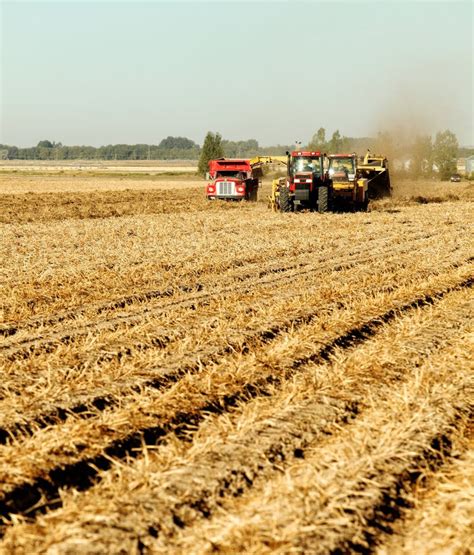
[232,179]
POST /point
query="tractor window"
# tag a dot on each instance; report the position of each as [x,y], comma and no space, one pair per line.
[338,165]
[306,164]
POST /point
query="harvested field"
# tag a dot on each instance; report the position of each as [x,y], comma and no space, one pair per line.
[182,376]
[47,207]
[99,166]
[41,185]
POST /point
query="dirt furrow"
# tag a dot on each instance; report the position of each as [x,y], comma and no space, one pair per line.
[346,494]
[77,462]
[238,269]
[31,415]
[237,459]
[442,518]
[214,325]
[250,280]
[31,345]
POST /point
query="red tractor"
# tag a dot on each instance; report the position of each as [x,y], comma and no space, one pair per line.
[307,184]
[232,179]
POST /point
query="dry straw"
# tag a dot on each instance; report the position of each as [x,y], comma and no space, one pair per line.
[293,376]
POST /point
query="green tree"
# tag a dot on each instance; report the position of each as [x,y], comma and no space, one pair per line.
[318,142]
[241,149]
[445,152]
[422,156]
[176,142]
[211,149]
[338,143]
[12,153]
[45,144]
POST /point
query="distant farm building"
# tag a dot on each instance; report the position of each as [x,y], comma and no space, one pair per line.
[461,165]
[470,165]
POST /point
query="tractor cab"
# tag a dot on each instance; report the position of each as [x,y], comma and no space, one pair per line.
[302,162]
[306,176]
[342,167]
[349,190]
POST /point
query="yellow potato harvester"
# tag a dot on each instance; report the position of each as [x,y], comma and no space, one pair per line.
[375,169]
[258,163]
[274,198]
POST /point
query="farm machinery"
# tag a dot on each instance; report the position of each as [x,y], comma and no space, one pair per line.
[313,180]
[232,179]
[336,182]
[306,186]
[375,169]
[237,179]
[348,188]
[307,183]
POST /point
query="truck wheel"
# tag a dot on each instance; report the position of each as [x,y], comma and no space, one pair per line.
[323,199]
[285,201]
[253,195]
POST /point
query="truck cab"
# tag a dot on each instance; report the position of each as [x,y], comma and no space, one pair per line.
[232,179]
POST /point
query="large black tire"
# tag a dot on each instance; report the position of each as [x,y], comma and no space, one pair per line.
[365,205]
[253,195]
[286,204]
[323,199]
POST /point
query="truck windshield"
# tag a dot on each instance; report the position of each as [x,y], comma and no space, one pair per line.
[339,165]
[231,173]
[305,164]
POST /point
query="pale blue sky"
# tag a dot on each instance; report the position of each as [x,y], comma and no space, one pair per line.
[134,72]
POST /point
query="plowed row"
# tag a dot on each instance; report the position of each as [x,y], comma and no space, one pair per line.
[235,381]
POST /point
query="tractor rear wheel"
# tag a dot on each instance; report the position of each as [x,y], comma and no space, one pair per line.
[286,204]
[323,199]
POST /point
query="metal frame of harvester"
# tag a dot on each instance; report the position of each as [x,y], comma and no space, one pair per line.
[374,167]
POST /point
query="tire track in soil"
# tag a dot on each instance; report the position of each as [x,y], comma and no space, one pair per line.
[415,530]
[7,330]
[122,302]
[168,375]
[166,337]
[202,506]
[29,346]
[394,503]
[42,493]
[380,518]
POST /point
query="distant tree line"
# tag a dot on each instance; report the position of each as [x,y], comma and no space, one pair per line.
[171,148]
[419,156]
